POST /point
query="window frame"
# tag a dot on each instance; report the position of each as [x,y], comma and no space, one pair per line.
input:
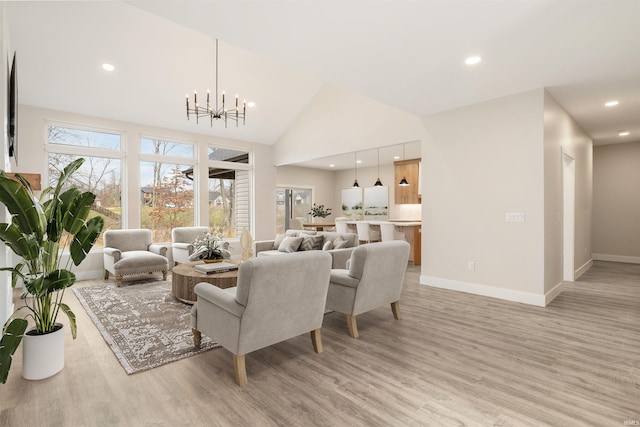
[79,150]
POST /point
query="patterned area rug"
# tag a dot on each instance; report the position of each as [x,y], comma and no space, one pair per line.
[144,324]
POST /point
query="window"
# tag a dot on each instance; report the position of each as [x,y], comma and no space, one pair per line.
[100,173]
[167,186]
[229,191]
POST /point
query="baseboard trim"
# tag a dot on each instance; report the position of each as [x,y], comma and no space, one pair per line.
[86,275]
[617,258]
[553,293]
[487,291]
[580,271]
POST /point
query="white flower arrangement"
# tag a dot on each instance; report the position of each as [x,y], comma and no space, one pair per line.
[209,246]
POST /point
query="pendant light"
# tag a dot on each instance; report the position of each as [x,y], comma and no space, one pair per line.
[355,167]
[403,182]
[378,182]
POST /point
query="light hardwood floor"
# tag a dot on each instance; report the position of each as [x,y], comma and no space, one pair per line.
[454,359]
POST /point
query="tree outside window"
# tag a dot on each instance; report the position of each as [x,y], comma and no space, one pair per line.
[99,174]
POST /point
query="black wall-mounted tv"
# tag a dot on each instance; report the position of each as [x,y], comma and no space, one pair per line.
[13,110]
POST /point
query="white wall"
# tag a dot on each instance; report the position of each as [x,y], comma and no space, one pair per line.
[6,300]
[32,131]
[338,121]
[481,162]
[485,160]
[616,202]
[561,132]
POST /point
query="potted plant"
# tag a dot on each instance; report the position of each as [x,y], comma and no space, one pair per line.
[209,248]
[39,230]
[319,211]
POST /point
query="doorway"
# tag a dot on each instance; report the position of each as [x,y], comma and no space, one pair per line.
[291,203]
[568,221]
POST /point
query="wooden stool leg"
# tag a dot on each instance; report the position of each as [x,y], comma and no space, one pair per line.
[119,281]
[197,337]
[164,274]
[395,308]
[316,339]
[240,370]
[106,274]
[353,326]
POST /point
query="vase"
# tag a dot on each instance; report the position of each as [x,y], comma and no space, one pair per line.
[42,355]
[211,261]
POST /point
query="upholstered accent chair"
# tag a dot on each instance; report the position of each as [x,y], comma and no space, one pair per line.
[182,242]
[374,277]
[276,298]
[128,252]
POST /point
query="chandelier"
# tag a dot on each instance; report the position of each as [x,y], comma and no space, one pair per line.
[213,110]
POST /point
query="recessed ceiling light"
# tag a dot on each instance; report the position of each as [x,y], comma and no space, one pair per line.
[251,104]
[358,161]
[108,67]
[396,157]
[473,60]
[623,133]
[332,166]
[611,103]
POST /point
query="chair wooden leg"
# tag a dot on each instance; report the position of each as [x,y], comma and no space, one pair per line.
[164,274]
[316,339]
[197,337]
[106,274]
[240,370]
[119,281]
[353,326]
[395,308]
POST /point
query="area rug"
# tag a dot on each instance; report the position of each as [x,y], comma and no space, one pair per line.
[143,323]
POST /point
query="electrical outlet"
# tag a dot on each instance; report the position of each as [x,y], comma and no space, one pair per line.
[471,266]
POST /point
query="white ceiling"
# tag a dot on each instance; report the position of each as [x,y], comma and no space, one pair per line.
[408,54]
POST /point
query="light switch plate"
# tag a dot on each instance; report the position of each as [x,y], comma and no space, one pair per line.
[514,217]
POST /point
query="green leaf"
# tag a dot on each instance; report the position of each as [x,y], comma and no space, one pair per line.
[58,280]
[12,237]
[21,206]
[77,212]
[66,173]
[85,238]
[72,319]
[34,286]
[11,337]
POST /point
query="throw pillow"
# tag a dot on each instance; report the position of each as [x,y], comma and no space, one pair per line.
[339,243]
[290,244]
[310,243]
[328,245]
[279,239]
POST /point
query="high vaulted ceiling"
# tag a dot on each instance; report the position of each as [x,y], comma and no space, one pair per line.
[407,54]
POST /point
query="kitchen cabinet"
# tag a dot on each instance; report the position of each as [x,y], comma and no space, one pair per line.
[409,169]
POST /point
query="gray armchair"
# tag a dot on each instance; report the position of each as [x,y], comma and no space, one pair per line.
[277,298]
[182,242]
[374,278]
[128,252]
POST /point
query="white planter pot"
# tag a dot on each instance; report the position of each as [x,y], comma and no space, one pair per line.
[42,355]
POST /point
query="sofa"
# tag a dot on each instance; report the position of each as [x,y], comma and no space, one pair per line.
[338,245]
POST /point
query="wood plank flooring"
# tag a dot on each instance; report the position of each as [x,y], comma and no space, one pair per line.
[453,360]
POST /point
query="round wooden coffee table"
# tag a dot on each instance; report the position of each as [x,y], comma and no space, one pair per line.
[185,278]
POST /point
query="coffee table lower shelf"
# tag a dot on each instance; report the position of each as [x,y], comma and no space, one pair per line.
[185,278]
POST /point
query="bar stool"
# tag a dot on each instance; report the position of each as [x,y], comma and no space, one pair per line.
[388,232]
[366,233]
[342,227]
